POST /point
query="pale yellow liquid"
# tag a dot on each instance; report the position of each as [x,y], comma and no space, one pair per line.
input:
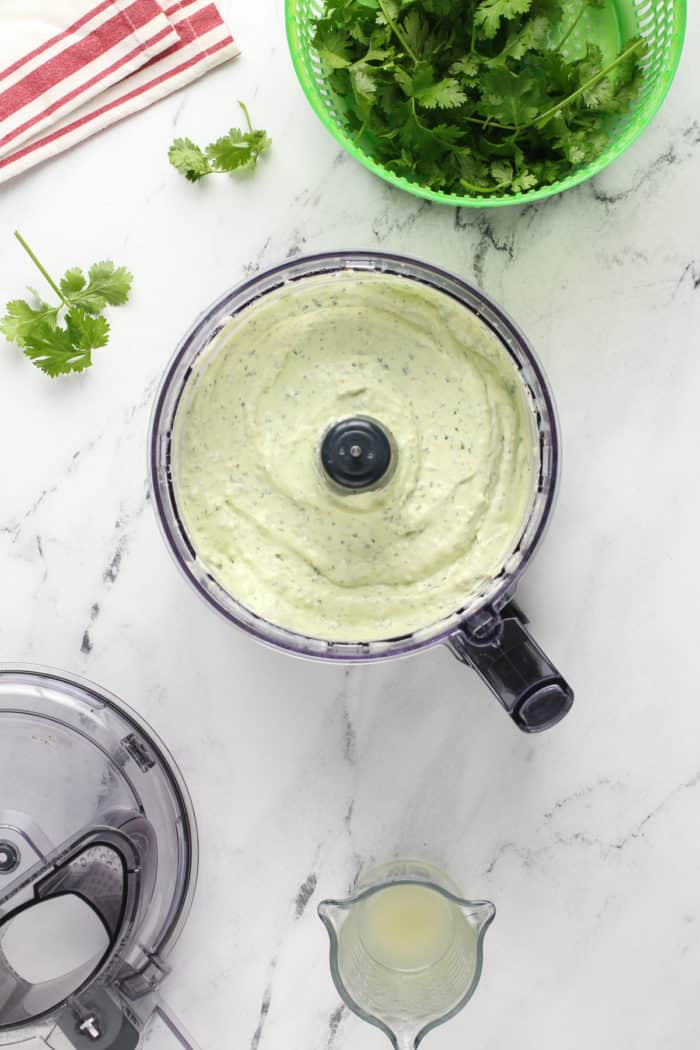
[406,927]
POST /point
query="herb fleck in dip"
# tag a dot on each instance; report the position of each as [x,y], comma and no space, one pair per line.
[263,517]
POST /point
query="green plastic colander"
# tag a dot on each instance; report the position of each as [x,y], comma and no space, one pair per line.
[660,22]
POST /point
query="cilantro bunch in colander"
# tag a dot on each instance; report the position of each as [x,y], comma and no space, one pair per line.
[482,96]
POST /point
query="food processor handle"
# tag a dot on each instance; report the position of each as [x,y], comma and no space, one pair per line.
[514,667]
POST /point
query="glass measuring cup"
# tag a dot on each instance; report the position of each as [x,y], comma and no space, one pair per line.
[406,949]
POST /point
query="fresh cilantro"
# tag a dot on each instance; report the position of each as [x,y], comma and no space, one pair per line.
[490,13]
[189,159]
[238,149]
[55,348]
[482,96]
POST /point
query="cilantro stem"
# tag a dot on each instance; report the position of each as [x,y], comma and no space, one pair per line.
[584,87]
[486,123]
[359,135]
[40,268]
[247,116]
[485,189]
[571,28]
[400,35]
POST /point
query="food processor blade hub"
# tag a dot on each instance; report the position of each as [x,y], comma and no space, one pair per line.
[356,454]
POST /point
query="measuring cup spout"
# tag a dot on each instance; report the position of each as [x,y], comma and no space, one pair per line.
[404,1040]
[333,914]
[480,914]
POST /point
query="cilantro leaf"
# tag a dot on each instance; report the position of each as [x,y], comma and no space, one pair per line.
[446,94]
[189,159]
[20,320]
[467,66]
[364,85]
[416,30]
[237,149]
[599,94]
[229,152]
[624,97]
[390,9]
[512,98]
[471,168]
[55,349]
[107,284]
[627,68]
[334,47]
[524,182]
[87,332]
[590,65]
[531,37]
[490,13]
[502,171]
[72,281]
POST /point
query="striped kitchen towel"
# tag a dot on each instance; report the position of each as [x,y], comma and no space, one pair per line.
[69,68]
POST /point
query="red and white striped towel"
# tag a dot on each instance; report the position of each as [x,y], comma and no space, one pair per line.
[69,68]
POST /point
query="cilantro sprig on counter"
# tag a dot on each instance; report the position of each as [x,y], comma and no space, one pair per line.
[59,348]
[235,151]
[475,95]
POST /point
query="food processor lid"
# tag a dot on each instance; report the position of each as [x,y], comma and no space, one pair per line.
[98,859]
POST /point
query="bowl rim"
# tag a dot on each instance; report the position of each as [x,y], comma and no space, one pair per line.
[631,133]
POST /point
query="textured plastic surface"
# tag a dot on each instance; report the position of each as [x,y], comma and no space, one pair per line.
[660,22]
[92,811]
[511,663]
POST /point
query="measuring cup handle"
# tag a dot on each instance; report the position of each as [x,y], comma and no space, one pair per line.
[511,663]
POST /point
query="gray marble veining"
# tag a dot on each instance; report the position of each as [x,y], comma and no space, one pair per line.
[586,838]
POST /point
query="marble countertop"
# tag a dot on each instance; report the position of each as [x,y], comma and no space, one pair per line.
[586,837]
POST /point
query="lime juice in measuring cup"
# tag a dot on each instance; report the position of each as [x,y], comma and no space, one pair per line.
[406,949]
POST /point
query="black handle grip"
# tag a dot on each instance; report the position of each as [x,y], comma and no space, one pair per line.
[514,667]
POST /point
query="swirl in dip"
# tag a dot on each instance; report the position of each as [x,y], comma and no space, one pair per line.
[260,512]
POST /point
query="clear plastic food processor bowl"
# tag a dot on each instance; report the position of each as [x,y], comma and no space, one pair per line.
[488,632]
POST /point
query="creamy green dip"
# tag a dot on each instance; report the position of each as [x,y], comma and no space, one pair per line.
[254,499]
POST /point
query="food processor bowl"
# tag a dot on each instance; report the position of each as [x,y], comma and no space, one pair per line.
[98,864]
[488,631]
